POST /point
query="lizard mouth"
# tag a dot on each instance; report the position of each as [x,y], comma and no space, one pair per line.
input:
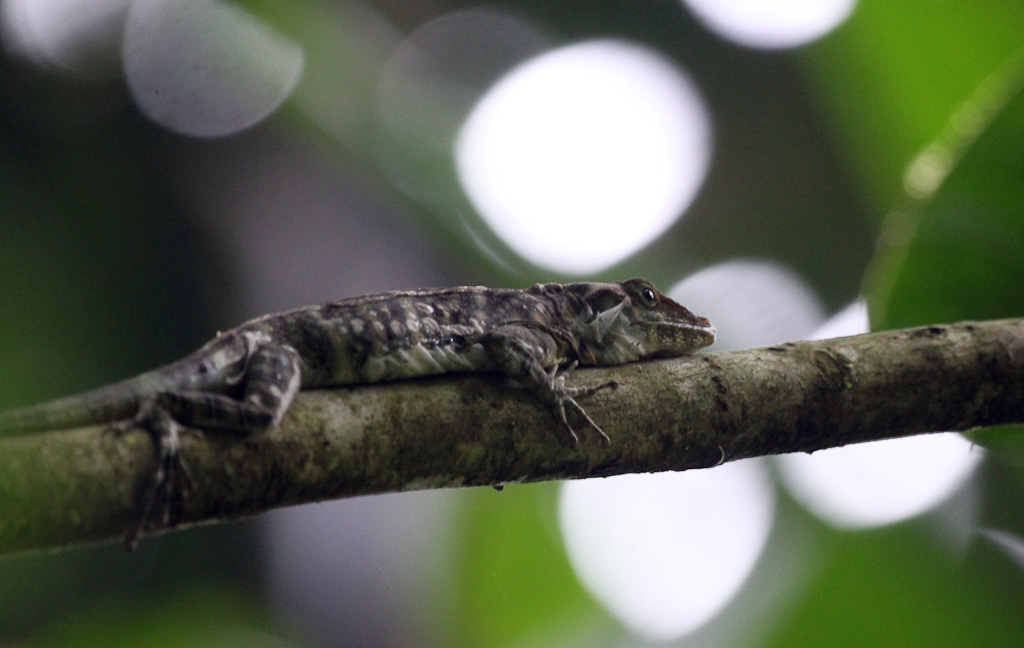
[702,333]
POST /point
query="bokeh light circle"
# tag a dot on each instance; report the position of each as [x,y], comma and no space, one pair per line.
[582,155]
[205,67]
[771,25]
[882,482]
[752,302]
[666,552]
[80,36]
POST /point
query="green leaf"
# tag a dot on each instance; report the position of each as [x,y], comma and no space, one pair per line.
[514,580]
[951,250]
[1006,441]
[191,617]
[894,587]
[891,75]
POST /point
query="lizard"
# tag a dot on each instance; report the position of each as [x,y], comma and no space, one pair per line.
[244,379]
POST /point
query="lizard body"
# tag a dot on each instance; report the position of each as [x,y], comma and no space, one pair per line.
[244,379]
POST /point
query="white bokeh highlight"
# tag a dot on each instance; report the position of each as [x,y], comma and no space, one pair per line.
[206,68]
[666,552]
[771,25]
[881,482]
[851,320]
[80,36]
[582,155]
[428,85]
[752,303]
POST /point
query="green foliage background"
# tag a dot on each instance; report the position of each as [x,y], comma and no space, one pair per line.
[108,268]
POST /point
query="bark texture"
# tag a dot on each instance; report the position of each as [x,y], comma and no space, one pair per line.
[83,486]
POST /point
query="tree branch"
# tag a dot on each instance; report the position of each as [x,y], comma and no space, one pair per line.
[81,486]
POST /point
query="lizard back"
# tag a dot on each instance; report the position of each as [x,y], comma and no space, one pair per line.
[405,334]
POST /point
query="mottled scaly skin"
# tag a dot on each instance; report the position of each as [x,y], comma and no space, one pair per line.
[245,379]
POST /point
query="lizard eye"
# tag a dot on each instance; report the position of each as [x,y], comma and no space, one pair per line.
[641,292]
[650,299]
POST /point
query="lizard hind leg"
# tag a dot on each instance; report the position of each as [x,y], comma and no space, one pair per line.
[272,378]
[159,492]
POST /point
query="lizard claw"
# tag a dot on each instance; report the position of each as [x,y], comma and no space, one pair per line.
[565,421]
[566,395]
[583,413]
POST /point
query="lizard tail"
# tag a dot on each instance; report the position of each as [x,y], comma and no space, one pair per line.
[213,367]
[111,403]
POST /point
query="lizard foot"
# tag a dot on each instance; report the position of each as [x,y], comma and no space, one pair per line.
[567,396]
[170,471]
[576,406]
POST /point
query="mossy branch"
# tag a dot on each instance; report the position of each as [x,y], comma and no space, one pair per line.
[82,486]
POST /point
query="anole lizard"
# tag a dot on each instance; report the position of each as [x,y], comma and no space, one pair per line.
[244,379]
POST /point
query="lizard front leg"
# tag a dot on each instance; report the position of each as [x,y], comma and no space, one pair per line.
[522,352]
[270,381]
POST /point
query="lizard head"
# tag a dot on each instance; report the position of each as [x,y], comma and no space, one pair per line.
[632,320]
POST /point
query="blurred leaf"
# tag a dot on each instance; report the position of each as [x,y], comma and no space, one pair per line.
[891,75]
[205,617]
[514,579]
[952,249]
[1007,442]
[890,588]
